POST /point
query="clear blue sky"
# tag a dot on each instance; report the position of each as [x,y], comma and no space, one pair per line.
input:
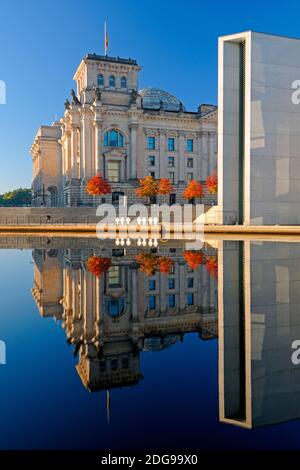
[42,42]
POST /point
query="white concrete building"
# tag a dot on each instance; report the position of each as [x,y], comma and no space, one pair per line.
[259,129]
[258,298]
[113,129]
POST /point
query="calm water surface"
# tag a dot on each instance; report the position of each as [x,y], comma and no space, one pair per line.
[140,348]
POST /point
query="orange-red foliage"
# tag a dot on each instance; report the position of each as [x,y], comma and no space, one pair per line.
[164,264]
[165,186]
[193,189]
[150,263]
[147,262]
[97,186]
[193,258]
[148,187]
[97,265]
[212,184]
[212,265]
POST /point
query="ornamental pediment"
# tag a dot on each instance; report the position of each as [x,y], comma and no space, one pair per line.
[115,152]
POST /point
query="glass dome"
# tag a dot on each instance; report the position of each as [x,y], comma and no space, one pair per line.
[154,98]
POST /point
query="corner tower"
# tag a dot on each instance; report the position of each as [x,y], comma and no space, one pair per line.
[116,79]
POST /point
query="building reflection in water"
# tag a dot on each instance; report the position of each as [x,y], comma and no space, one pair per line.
[115,303]
[259,318]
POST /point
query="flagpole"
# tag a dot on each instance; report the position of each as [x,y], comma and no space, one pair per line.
[105,42]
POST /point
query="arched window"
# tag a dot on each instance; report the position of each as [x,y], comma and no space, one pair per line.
[112,81]
[115,307]
[100,80]
[53,195]
[123,82]
[113,139]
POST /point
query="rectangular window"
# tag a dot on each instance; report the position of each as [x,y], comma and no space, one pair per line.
[151,143]
[190,163]
[190,176]
[172,269]
[172,199]
[117,252]
[190,299]
[152,302]
[114,276]
[152,173]
[114,364]
[171,177]
[151,160]
[152,284]
[190,282]
[100,80]
[114,307]
[113,171]
[171,283]
[171,144]
[171,300]
[189,145]
[189,269]
[125,363]
[170,161]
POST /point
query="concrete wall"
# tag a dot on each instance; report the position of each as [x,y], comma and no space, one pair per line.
[259,302]
[269,163]
[228,131]
[275,136]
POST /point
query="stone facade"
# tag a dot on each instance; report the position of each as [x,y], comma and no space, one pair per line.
[113,129]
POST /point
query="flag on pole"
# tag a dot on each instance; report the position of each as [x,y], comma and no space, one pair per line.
[105,39]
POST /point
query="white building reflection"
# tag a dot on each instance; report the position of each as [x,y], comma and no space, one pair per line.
[110,319]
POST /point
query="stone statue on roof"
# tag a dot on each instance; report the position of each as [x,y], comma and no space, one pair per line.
[75,100]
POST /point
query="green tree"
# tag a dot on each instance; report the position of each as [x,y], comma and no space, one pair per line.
[17,197]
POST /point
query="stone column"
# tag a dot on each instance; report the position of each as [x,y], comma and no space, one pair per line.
[133,156]
[181,158]
[161,165]
[198,162]
[68,154]
[74,150]
[88,305]
[98,152]
[134,294]
[75,294]
[204,156]
[212,152]
[182,284]
[161,299]
[87,145]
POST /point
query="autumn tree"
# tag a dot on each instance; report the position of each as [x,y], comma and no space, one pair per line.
[193,258]
[212,265]
[147,262]
[164,186]
[148,187]
[150,263]
[164,264]
[98,186]
[194,189]
[212,183]
[97,265]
